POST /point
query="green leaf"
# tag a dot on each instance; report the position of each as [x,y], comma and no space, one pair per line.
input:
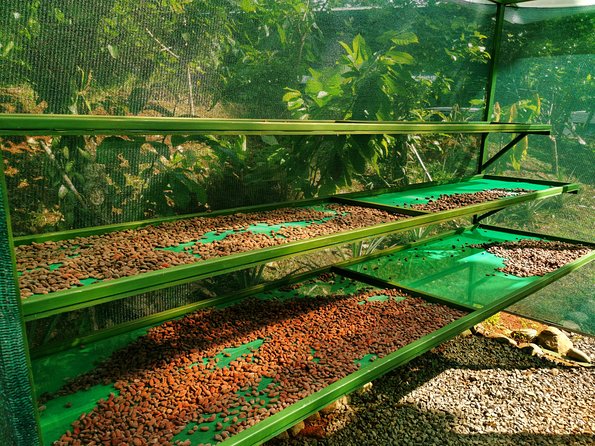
[199,192]
[185,192]
[347,48]
[327,188]
[178,140]
[516,165]
[357,160]
[295,104]
[368,99]
[282,35]
[323,84]
[291,94]
[357,44]
[269,140]
[7,48]
[248,5]
[398,57]
[107,152]
[364,146]
[358,53]
[86,155]
[180,195]
[59,15]
[113,51]
[405,38]
[160,148]
[78,177]
[390,84]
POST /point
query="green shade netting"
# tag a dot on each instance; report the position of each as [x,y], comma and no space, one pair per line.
[423,195]
[450,268]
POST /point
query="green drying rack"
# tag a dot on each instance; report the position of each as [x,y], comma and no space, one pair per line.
[460,276]
[393,200]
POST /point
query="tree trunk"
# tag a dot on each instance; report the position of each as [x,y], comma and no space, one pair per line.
[555,166]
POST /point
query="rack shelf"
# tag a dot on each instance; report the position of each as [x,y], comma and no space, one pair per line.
[453,266]
[44,305]
[31,124]
[473,305]
[421,194]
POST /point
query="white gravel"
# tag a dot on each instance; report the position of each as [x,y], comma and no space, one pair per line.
[471,391]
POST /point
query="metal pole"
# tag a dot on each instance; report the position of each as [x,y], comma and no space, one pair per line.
[21,420]
[491,84]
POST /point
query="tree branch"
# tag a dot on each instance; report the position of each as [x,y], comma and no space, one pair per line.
[65,177]
[163,47]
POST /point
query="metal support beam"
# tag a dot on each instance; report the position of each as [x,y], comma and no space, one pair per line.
[30,125]
[478,218]
[21,418]
[502,151]
[381,283]
[492,76]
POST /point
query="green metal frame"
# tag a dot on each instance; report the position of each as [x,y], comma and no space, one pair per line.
[277,423]
[503,151]
[30,125]
[18,375]
[38,307]
[381,283]
[479,218]
[491,84]
[537,234]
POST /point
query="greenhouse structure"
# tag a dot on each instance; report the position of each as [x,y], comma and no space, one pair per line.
[220,217]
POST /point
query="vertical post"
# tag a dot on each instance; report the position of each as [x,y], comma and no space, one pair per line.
[491,84]
[190,93]
[19,420]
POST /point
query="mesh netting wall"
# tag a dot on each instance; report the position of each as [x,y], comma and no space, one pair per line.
[61,183]
[220,58]
[17,419]
[546,76]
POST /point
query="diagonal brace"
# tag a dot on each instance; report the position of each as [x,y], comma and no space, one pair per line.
[478,218]
[503,150]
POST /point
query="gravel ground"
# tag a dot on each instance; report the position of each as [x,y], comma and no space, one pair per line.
[470,391]
[584,343]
